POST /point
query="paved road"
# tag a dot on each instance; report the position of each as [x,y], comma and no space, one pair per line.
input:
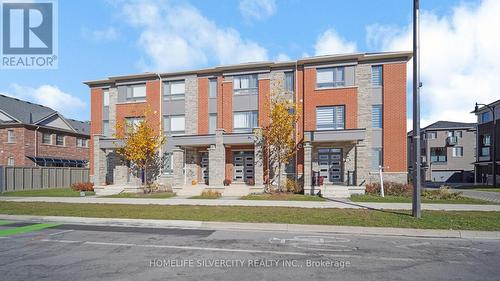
[89,252]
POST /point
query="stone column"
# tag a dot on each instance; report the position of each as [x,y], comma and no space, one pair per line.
[217,160]
[99,162]
[113,99]
[191,159]
[178,166]
[308,188]
[258,161]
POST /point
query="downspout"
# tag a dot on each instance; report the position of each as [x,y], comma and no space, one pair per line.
[36,144]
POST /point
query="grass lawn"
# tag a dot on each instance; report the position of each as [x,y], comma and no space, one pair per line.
[352,217]
[282,197]
[402,199]
[53,192]
[142,195]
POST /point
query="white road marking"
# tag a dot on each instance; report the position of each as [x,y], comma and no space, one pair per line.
[61,232]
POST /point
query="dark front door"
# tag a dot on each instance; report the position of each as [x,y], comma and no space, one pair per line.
[330,164]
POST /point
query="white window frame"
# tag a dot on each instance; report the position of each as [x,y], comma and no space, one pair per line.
[330,77]
[455,151]
[250,118]
[167,124]
[82,142]
[239,87]
[337,117]
[105,98]
[136,95]
[178,95]
[11,136]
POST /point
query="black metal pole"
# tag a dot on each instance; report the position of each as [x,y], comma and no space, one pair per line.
[416,210]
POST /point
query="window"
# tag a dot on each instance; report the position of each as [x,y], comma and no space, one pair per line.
[458,134]
[105,97]
[377,75]
[11,136]
[376,158]
[438,154]
[59,140]
[245,84]
[330,77]
[167,167]
[81,142]
[10,161]
[330,118]
[212,123]
[174,90]
[174,125]
[136,93]
[377,116]
[485,151]
[431,135]
[132,122]
[212,89]
[486,140]
[485,117]
[47,138]
[289,82]
[458,151]
[244,121]
[105,128]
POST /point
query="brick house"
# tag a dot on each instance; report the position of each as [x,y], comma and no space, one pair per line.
[352,120]
[35,135]
[484,155]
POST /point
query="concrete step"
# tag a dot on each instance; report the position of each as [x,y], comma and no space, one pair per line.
[190,190]
[335,191]
[108,190]
[236,191]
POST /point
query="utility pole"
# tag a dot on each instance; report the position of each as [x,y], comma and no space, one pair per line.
[417,179]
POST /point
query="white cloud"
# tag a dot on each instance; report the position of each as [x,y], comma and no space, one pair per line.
[459,58]
[330,42]
[106,34]
[257,9]
[282,57]
[178,36]
[50,96]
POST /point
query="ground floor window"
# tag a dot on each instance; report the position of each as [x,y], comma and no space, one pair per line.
[167,165]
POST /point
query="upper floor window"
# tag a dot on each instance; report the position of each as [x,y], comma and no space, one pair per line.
[486,140]
[458,151]
[485,117]
[431,135]
[330,118]
[174,124]
[59,140]
[212,89]
[46,138]
[244,121]
[132,122]
[330,77]
[245,84]
[174,90]
[377,116]
[82,142]
[376,75]
[10,161]
[212,123]
[289,81]
[105,128]
[136,92]
[438,154]
[105,97]
[11,136]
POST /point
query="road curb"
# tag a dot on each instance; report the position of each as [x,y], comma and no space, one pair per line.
[300,228]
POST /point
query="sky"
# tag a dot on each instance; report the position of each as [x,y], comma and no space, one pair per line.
[97,39]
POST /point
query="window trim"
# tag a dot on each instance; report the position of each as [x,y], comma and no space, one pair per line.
[167,121]
[11,136]
[246,129]
[50,138]
[167,93]
[246,91]
[63,140]
[9,159]
[335,83]
[334,117]
[454,153]
[210,81]
[133,98]
[105,93]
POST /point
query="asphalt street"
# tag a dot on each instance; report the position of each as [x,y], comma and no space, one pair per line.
[30,251]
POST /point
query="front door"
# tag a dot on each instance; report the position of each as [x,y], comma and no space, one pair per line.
[330,164]
[243,166]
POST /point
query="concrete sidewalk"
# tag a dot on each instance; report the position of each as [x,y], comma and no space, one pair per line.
[295,228]
[254,203]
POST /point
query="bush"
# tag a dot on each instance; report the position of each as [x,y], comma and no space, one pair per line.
[194,182]
[390,188]
[443,193]
[210,193]
[83,186]
[250,182]
[293,186]
[227,182]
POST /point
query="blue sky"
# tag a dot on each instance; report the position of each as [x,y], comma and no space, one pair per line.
[104,38]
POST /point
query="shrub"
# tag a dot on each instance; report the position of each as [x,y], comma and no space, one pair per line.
[210,193]
[194,182]
[390,188]
[250,182]
[443,193]
[293,186]
[83,186]
[227,182]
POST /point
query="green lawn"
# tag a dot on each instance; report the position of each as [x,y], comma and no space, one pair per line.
[53,192]
[282,197]
[142,195]
[352,217]
[402,199]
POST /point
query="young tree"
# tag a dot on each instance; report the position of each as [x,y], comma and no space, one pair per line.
[278,136]
[141,144]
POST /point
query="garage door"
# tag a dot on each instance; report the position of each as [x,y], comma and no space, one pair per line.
[447,176]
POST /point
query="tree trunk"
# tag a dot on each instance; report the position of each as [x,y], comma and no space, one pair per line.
[279,172]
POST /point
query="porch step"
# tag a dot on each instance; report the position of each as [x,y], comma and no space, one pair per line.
[236,191]
[191,190]
[108,190]
[335,191]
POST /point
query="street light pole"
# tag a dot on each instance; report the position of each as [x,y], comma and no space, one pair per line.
[416,210]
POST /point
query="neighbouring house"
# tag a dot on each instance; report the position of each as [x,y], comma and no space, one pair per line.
[36,135]
[483,163]
[448,151]
[352,110]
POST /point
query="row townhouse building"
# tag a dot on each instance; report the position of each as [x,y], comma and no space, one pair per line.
[352,110]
